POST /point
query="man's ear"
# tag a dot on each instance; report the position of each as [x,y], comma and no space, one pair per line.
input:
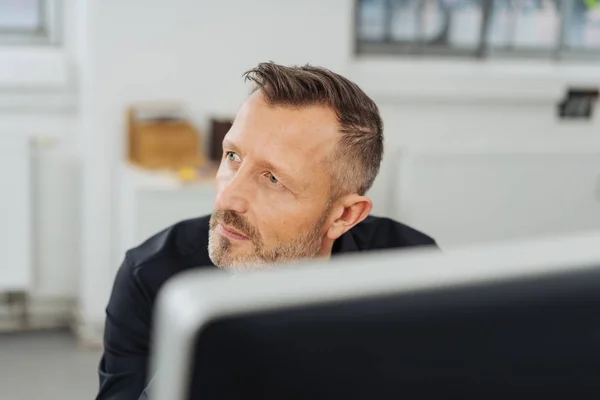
[348,211]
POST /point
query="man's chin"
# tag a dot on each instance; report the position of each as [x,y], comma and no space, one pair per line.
[229,260]
[242,265]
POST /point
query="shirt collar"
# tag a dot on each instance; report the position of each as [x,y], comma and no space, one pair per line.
[344,244]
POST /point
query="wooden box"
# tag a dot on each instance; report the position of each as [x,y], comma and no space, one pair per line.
[159,143]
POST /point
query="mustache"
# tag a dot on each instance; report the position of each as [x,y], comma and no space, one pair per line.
[234,220]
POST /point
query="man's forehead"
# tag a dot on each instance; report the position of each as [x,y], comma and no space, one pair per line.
[310,128]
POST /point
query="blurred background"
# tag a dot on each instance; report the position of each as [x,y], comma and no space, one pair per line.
[491,127]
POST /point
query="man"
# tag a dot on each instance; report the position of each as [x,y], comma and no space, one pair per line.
[303,150]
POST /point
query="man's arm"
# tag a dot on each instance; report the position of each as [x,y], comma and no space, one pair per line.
[123,367]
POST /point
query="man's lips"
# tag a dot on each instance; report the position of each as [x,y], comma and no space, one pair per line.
[230,232]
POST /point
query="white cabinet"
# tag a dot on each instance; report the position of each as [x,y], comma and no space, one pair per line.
[152,201]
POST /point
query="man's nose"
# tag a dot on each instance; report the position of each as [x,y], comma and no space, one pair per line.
[232,196]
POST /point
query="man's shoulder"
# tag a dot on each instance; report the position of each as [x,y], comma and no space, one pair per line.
[179,247]
[386,233]
[129,312]
[183,239]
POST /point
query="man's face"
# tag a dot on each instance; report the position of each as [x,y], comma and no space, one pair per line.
[273,192]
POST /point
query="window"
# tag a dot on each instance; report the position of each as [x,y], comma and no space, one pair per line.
[583,26]
[479,28]
[28,22]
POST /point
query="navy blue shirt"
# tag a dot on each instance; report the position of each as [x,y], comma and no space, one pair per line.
[124,365]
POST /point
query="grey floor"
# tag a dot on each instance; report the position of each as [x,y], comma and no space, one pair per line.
[46,365]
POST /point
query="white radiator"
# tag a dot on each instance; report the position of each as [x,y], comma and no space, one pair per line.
[15,214]
[465,194]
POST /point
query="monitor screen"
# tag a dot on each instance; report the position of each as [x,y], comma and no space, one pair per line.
[534,336]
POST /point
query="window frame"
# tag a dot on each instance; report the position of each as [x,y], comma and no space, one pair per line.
[48,33]
[483,51]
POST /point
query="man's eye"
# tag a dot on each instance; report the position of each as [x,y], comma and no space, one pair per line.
[273,179]
[231,156]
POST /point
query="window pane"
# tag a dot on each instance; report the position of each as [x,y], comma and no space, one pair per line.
[405,20]
[424,23]
[371,20]
[529,24]
[20,15]
[465,22]
[583,26]
[434,17]
[451,23]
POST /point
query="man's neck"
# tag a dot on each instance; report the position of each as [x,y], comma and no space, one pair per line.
[326,249]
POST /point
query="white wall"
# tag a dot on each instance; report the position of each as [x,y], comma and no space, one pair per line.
[196,51]
[57,214]
[482,125]
[479,103]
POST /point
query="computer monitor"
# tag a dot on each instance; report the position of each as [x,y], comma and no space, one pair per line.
[517,320]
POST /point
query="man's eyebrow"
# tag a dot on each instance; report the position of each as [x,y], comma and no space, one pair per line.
[274,169]
[229,144]
[284,176]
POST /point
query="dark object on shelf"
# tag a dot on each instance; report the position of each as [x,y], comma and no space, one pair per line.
[578,104]
[218,130]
